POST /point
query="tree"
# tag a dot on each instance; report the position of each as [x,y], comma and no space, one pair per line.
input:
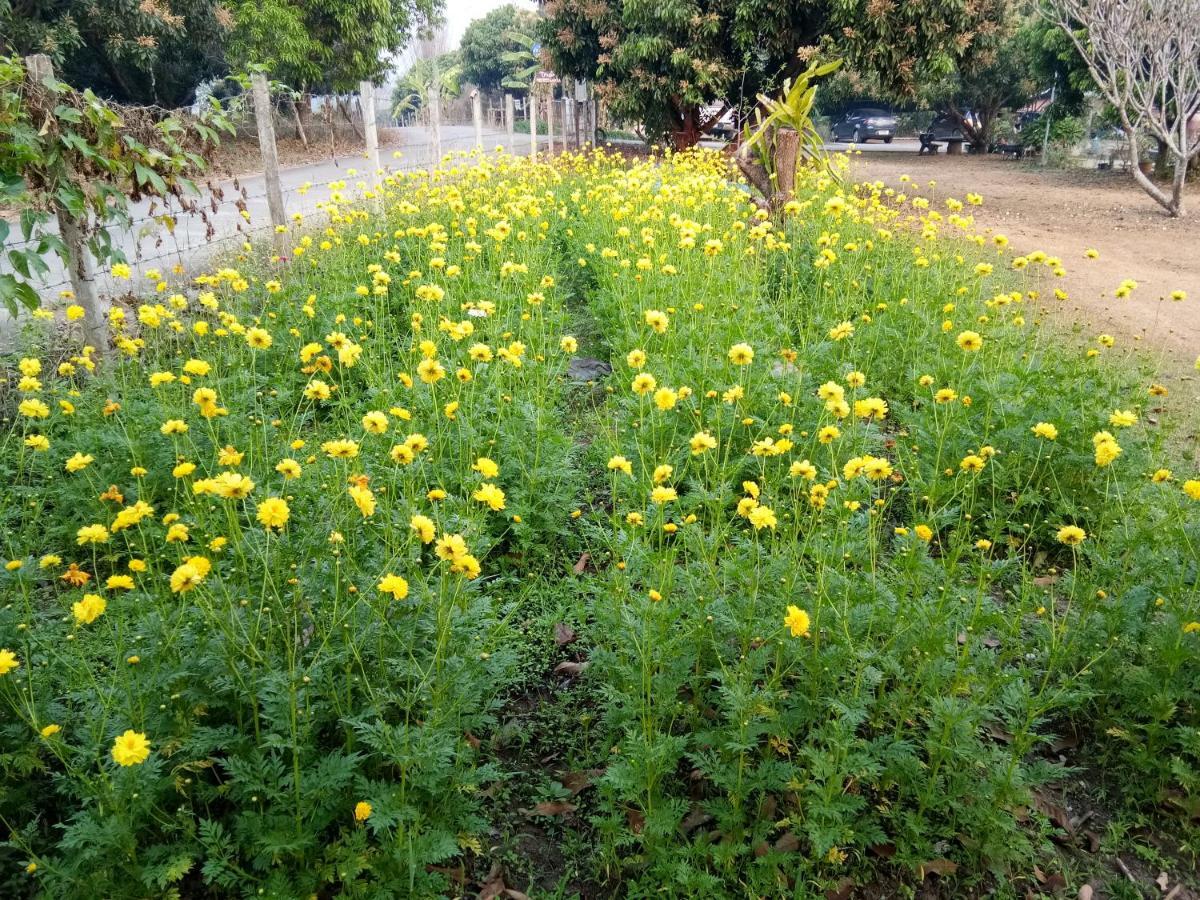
[978,87]
[131,51]
[660,61]
[1144,56]
[486,42]
[68,157]
[411,93]
[330,44]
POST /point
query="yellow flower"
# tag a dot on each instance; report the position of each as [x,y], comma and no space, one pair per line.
[797,621]
[568,344]
[1046,431]
[37,442]
[969,341]
[924,532]
[491,495]
[620,464]
[1191,487]
[8,661]
[661,495]
[702,441]
[741,354]
[1122,418]
[273,512]
[91,534]
[363,499]
[643,384]
[362,811]
[375,422]
[89,609]
[657,320]
[394,585]
[424,527]
[971,464]
[50,730]
[762,517]
[1071,535]
[258,338]
[131,748]
[665,398]
[486,467]
[185,577]
[119,582]
[288,468]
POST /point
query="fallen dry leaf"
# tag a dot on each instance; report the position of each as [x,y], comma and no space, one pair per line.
[551,808]
[582,563]
[936,866]
[570,669]
[843,891]
[563,633]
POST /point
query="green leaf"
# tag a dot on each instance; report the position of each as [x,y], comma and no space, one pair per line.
[15,293]
[145,175]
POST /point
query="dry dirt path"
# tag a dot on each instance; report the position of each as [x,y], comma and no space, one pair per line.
[1065,213]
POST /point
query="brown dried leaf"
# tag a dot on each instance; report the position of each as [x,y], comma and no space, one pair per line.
[1052,811]
[787,843]
[551,808]
[843,891]
[563,633]
[493,885]
[1045,580]
[575,782]
[884,851]
[936,866]
[695,819]
[582,563]
[570,669]
[636,819]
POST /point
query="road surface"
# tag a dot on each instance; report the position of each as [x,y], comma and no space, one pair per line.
[149,244]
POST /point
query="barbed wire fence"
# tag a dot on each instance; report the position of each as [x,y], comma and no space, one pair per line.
[182,236]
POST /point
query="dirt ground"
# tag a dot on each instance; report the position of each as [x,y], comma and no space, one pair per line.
[240,156]
[1065,213]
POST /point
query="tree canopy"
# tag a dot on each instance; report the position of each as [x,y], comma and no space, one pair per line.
[489,43]
[326,43]
[132,51]
[660,61]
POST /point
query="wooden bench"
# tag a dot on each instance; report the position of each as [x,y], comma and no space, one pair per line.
[954,146]
[928,144]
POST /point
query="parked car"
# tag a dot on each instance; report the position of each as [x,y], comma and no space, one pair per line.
[726,127]
[946,127]
[861,125]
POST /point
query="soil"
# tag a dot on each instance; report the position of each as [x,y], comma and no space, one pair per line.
[1064,213]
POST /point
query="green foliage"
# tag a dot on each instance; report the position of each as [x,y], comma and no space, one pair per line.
[70,153]
[658,62]
[326,44]
[131,51]
[797,617]
[411,93]
[486,43]
[793,110]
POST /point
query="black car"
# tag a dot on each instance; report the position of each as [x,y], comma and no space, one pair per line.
[861,125]
[947,127]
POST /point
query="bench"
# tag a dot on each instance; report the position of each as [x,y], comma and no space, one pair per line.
[954,145]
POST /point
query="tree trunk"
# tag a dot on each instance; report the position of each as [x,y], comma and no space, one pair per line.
[83,282]
[299,124]
[349,119]
[787,146]
[1162,163]
[1173,204]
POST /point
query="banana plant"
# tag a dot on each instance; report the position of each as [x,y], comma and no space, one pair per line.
[524,61]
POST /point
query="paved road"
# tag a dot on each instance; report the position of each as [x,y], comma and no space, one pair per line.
[149,244]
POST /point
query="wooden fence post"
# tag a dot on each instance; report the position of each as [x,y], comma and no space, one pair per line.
[270,156]
[508,119]
[435,122]
[366,95]
[477,115]
[80,267]
[550,120]
[532,124]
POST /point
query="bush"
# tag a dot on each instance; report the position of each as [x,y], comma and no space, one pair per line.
[865,541]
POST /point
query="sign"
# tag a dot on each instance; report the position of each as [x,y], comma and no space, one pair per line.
[545,77]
